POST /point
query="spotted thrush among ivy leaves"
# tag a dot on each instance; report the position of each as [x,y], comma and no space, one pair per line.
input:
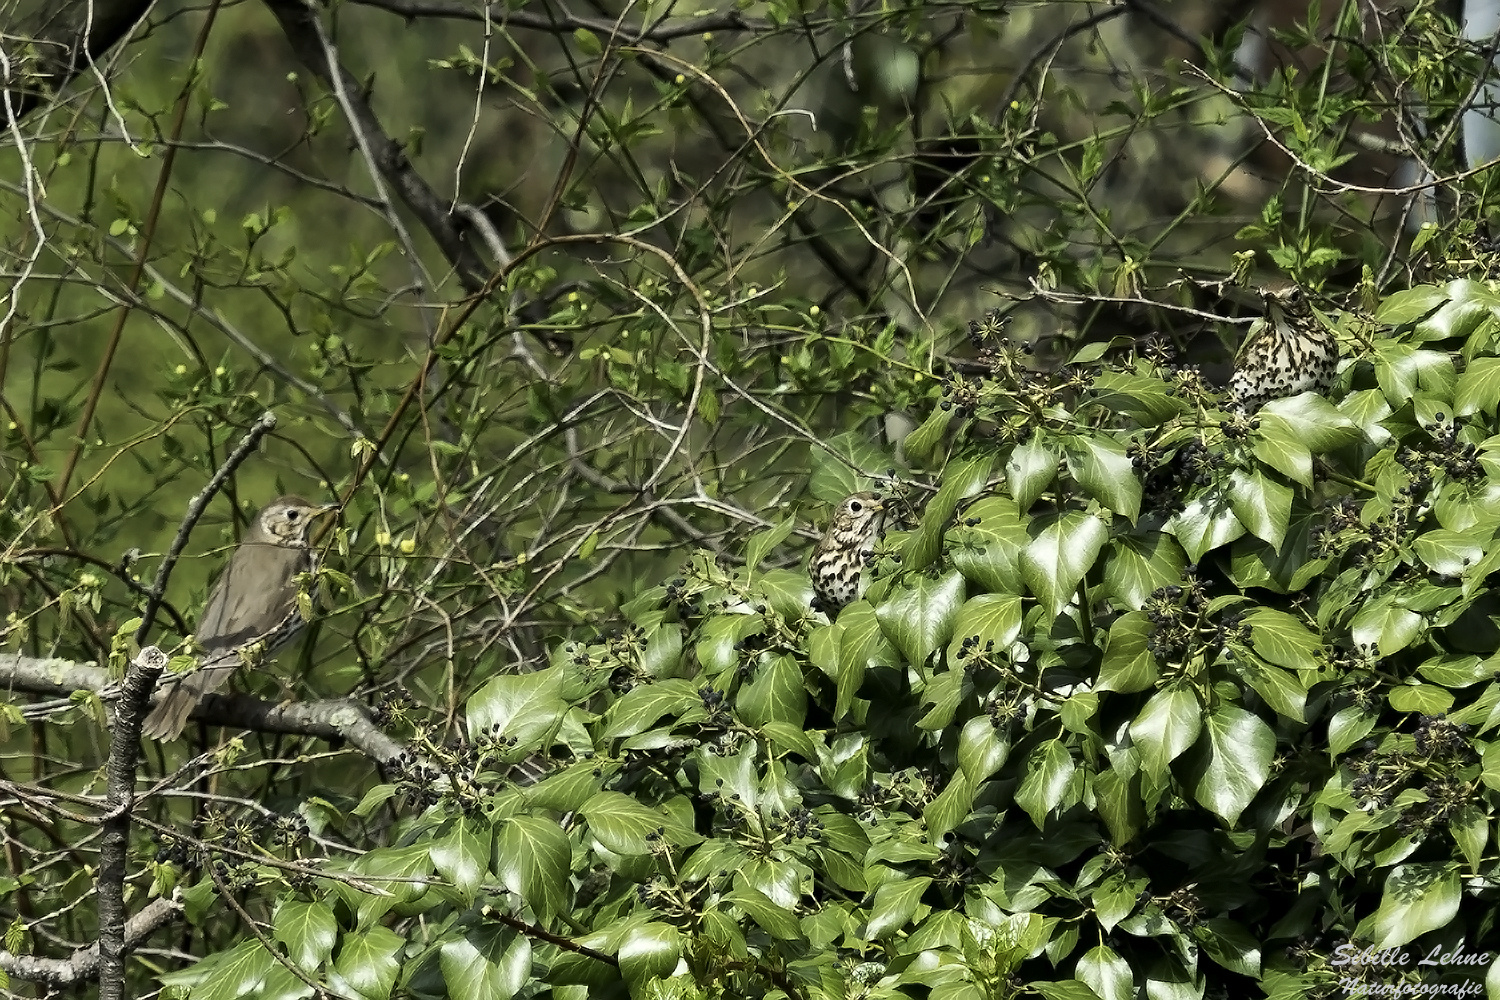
[1287,351]
[839,559]
[252,604]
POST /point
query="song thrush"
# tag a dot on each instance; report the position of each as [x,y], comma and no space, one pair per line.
[1287,351]
[842,552]
[252,604]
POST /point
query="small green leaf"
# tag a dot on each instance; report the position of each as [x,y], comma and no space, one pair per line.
[1101,466]
[1063,549]
[1225,771]
[588,42]
[1030,470]
[918,618]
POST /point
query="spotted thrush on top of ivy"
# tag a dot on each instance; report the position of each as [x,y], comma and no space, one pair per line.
[1287,351]
[839,560]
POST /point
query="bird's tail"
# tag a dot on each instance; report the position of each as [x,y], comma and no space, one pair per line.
[170,715]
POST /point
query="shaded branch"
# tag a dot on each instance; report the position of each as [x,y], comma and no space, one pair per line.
[298,22]
[331,719]
[114,847]
[559,22]
[84,965]
[58,42]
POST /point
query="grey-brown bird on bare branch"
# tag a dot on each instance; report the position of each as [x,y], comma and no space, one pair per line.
[252,609]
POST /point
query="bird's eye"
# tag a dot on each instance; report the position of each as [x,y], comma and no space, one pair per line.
[855,506]
[292,515]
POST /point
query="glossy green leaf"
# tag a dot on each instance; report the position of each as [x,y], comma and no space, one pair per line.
[487,961]
[533,859]
[525,707]
[918,617]
[1204,524]
[1261,504]
[1226,770]
[1168,724]
[1417,898]
[987,543]
[1049,774]
[1062,550]
[895,904]
[462,856]
[651,951]
[1101,466]
[1030,469]
[1128,664]
[961,481]
[308,930]
[367,963]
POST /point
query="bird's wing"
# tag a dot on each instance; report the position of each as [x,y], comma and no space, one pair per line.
[242,606]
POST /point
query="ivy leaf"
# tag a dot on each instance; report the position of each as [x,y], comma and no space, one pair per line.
[1261,504]
[1448,553]
[777,693]
[1063,549]
[1127,665]
[963,480]
[1134,566]
[649,953]
[309,931]
[626,826]
[1282,639]
[638,709]
[368,963]
[989,552]
[895,904]
[1311,420]
[765,542]
[991,620]
[918,618]
[1478,388]
[921,445]
[1101,467]
[1205,524]
[1380,623]
[1049,772]
[463,857]
[1149,400]
[487,961]
[1168,724]
[1409,305]
[1030,470]
[533,859]
[1402,370]
[1275,444]
[1417,898]
[834,478]
[526,707]
[1225,771]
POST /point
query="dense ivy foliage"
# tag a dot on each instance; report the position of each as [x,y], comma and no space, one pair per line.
[1139,695]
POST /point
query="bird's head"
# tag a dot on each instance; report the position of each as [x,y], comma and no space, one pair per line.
[286,520]
[858,514]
